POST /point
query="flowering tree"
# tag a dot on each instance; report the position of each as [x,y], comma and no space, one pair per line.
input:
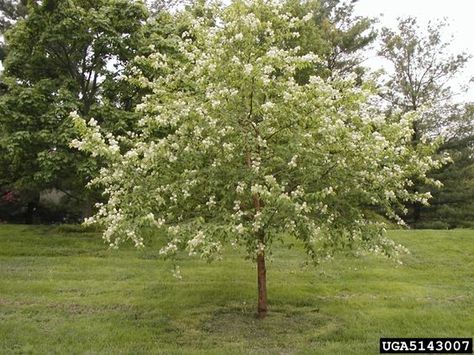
[233,150]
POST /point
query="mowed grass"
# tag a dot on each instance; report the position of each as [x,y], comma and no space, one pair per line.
[65,293]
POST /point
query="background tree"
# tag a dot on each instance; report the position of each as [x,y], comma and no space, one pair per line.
[250,155]
[335,34]
[421,81]
[453,205]
[64,56]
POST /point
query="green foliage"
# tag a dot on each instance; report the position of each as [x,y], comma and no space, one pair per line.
[34,135]
[453,205]
[334,33]
[64,56]
[344,35]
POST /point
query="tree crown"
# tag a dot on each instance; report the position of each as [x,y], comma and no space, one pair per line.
[233,149]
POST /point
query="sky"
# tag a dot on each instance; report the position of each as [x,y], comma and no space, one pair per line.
[458,14]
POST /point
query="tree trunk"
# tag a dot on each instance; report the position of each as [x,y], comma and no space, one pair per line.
[261,269]
[262,286]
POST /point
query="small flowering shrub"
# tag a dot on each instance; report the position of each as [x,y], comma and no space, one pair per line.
[232,150]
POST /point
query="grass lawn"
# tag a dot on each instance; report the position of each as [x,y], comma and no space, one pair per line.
[65,293]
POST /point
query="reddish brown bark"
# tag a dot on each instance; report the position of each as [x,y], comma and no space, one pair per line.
[261,269]
[262,307]
[262,286]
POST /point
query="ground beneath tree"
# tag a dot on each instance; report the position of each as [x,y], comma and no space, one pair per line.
[62,291]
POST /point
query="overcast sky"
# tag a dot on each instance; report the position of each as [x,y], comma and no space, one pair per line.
[458,13]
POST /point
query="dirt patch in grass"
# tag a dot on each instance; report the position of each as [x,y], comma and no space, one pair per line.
[282,327]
